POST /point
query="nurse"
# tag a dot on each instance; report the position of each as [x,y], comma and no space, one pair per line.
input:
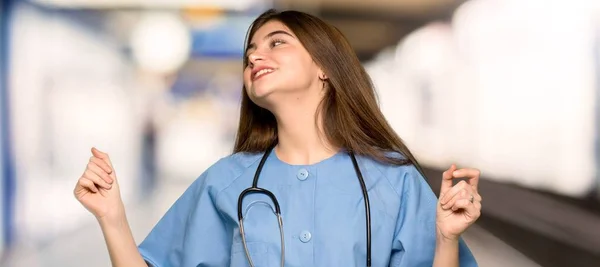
[348,191]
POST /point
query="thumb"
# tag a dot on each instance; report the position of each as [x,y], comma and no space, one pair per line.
[447,180]
[101,155]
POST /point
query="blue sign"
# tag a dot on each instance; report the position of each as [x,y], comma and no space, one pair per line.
[6,178]
[223,40]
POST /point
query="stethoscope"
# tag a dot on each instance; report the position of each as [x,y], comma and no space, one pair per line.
[277,211]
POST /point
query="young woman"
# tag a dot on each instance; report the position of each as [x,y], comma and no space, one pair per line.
[343,190]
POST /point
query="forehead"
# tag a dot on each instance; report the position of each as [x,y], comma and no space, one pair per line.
[271,26]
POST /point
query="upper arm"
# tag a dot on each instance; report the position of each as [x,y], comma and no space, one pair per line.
[415,233]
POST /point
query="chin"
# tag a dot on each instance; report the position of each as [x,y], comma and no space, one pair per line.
[260,92]
[261,96]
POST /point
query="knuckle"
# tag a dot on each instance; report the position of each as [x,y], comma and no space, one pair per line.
[455,189]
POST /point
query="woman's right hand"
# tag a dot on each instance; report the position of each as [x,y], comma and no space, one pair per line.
[98,190]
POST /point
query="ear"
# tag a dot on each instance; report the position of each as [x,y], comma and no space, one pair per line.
[322,75]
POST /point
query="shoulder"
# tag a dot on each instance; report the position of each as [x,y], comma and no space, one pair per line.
[401,177]
[227,169]
[235,164]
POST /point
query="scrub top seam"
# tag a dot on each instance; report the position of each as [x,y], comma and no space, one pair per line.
[218,195]
[389,182]
[314,225]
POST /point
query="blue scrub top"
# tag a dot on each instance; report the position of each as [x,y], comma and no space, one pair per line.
[323,216]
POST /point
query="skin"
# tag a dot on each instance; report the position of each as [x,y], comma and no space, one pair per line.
[294,104]
[292,92]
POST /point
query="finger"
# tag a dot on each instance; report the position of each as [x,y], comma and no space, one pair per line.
[96,179]
[461,194]
[477,205]
[101,155]
[471,174]
[464,204]
[102,164]
[460,186]
[447,179]
[88,184]
[100,172]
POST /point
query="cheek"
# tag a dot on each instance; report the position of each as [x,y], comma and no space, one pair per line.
[247,78]
[300,65]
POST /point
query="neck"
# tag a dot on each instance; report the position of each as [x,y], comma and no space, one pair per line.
[301,140]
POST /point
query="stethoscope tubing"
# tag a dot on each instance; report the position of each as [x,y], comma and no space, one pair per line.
[257,190]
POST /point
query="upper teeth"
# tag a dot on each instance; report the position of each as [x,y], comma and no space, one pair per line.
[263,71]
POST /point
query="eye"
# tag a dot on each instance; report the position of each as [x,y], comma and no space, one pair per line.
[276,42]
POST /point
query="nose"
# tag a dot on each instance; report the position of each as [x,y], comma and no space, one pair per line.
[254,57]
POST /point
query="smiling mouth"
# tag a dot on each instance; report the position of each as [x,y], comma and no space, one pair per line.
[262,73]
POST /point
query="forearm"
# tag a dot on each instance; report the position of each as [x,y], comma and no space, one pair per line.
[120,243]
[446,253]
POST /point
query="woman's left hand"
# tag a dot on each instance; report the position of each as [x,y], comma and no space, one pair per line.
[459,206]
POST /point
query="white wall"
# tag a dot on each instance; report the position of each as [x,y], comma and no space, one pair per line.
[1,180]
[507,87]
[70,90]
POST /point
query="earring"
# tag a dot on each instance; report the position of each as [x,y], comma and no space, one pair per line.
[323,79]
[322,76]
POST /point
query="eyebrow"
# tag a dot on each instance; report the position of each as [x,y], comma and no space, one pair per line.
[253,45]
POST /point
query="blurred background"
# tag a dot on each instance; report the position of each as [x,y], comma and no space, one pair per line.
[511,87]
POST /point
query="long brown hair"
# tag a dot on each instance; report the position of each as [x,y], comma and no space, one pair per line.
[351,115]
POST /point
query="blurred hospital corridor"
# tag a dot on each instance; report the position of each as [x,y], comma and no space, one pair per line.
[510,87]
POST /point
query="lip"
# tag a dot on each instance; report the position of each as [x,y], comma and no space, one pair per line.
[257,69]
